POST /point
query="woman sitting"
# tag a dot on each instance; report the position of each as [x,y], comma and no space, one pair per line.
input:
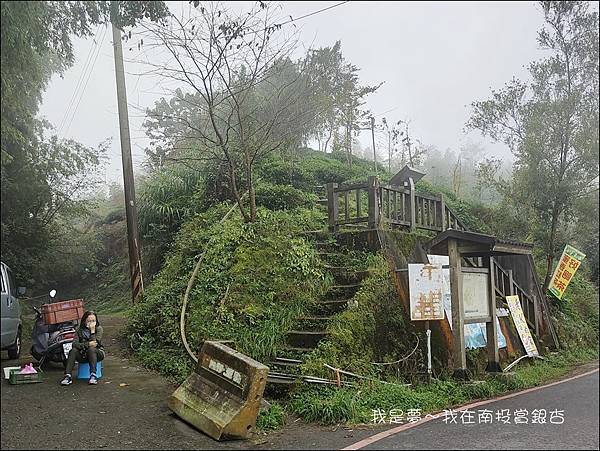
[87,347]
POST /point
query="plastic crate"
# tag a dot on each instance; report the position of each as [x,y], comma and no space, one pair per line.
[83,370]
[60,312]
[17,379]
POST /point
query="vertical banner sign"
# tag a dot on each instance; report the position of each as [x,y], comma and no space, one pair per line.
[565,270]
[519,319]
[441,260]
[425,283]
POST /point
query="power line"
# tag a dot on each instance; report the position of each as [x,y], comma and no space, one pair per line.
[87,80]
[313,13]
[63,121]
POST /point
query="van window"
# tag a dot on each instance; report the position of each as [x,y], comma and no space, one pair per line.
[11,281]
[3,282]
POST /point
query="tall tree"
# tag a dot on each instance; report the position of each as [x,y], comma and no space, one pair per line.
[243,88]
[337,98]
[41,176]
[551,123]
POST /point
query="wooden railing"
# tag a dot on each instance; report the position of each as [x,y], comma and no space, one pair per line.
[372,203]
[506,286]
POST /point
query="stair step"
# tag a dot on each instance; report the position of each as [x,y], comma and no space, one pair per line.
[286,364]
[331,307]
[345,276]
[313,323]
[289,361]
[297,349]
[307,332]
[305,339]
[333,302]
[328,254]
[345,291]
[288,368]
[346,286]
[281,378]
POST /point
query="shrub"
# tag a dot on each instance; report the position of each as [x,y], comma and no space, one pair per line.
[256,278]
[373,330]
[283,197]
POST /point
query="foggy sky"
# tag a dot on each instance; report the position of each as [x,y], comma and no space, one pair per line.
[435,59]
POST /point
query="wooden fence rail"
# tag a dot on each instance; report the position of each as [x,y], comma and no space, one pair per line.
[506,286]
[370,203]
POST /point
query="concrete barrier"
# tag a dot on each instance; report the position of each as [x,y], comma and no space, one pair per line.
[222,396]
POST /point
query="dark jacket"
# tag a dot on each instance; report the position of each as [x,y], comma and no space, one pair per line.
[82,344]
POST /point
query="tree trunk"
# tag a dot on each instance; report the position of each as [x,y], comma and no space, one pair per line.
[251,191]
[550,252]
[328,139]
[236,193]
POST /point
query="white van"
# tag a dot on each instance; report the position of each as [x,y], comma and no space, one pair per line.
[11,313]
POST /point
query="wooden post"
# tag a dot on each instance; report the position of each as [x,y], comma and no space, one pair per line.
[133,241]
[332,206]
[373,187]
[510,346]
[413,208]
[458,319]
[491,328]
[443,208]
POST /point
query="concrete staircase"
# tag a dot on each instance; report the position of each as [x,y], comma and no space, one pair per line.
[311,328]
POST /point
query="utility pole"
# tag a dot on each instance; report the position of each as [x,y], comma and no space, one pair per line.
[407,142]
[135,263]
[389,151]
[373,137]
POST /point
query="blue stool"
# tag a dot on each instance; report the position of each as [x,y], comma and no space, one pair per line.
[83,370]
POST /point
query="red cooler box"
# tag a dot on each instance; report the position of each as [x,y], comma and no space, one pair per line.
[62,311]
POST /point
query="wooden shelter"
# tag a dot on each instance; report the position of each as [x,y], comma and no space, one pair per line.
[471,255]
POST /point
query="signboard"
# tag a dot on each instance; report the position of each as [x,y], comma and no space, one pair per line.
[475,335]
[441,260]
[425,283]
[519,319]
[565,270]
[475,295]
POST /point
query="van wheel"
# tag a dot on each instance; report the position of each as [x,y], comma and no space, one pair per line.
[14,351]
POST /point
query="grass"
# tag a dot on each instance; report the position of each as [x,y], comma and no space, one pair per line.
[355,405]
[272,418]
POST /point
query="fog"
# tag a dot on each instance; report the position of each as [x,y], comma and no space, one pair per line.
[434,60]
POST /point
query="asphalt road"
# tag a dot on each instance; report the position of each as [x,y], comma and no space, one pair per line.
[571,422]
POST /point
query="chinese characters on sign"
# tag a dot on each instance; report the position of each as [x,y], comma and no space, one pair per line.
[565,270]
[521,325]
[425,282]
[480,416]
[220,368]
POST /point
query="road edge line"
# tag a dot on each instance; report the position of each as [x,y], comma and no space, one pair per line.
[381,435]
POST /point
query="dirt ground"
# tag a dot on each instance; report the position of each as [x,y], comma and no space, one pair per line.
[134,416]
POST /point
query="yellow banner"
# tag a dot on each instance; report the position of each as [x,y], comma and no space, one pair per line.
[565,270]
[518,317]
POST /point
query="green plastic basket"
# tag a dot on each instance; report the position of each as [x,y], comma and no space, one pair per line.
[16,379]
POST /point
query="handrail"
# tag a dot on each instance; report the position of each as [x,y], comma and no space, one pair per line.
[396,205]
[428,197]
[396,189]
[514,288]
[354,186]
